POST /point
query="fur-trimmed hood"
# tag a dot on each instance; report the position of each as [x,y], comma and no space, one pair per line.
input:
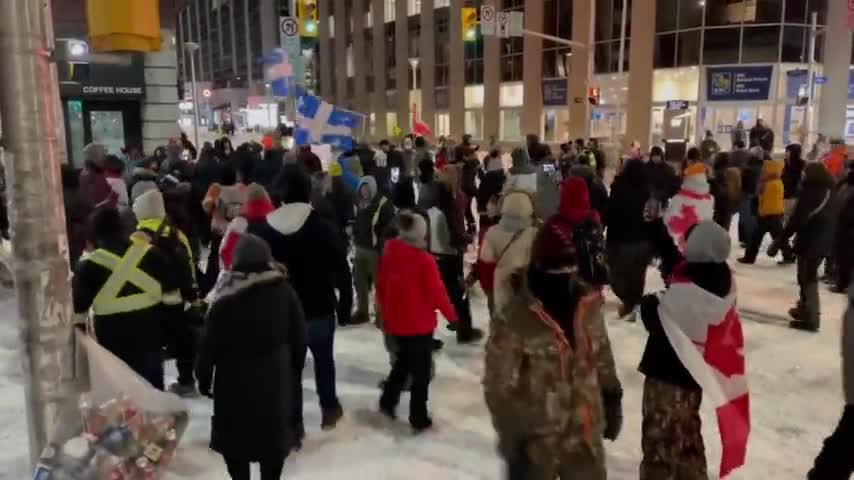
[231,282]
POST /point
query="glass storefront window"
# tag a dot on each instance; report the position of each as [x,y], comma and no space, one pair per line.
[688,50]
[665,50]
[724,12]
[690,14]
[474,123]
[443,124]
[760,44]
[511,125]
[720,46]
[108,129]
[75,133]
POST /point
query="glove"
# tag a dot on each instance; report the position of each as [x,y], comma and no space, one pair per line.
[612,401]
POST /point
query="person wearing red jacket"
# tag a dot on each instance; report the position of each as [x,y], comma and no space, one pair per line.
[409,291]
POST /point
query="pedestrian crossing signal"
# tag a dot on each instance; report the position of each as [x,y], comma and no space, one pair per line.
[307,13]
[468,17]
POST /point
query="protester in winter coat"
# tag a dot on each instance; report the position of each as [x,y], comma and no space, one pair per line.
[469,172]
[739,156]
[223,202]
[771,210]
[133,334]
[270,167]
[835,462]
[409,291]
[702,294]
[317,266]
[93,182]
[254,211]
[374,213]
[448,242]
[77,211]
[255,341]
[628,241]
[810,221]
[709,148]
[428,187]
[691,205]
[114,174]
[547,197]
[663,180]
[595,188]
[761,136]
[750,176]
[523,175]
[309,160]
[738,134]
[792,175]
[549,379]
[844,235]
[726,189]
[506,248]
[342,198]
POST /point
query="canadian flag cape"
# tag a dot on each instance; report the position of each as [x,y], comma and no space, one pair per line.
[692,205]
[705,332]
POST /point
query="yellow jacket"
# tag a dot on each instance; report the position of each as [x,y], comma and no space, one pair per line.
[771,194]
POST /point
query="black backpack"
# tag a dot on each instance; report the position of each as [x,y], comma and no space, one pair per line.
[175,252]
[589,243]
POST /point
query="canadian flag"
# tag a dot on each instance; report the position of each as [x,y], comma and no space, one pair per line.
[686,209]
[419,128]
[705,332]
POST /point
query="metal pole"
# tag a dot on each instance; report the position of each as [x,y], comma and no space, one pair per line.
[195,96]
[615,125]
[811,74]
[33,159]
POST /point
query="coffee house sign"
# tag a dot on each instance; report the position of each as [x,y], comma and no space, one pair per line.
[109,90]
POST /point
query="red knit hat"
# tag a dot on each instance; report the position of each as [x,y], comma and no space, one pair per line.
[574,200]
[553,247]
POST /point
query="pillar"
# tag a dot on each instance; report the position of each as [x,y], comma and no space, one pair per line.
[339,70]
[160,106]
[639,95]
[457,73]
[233,30]
[837,58]
[208,42]
[532,71]
[247,45]
[200,73]
[378,21]
[401,65]
[268,17]
[427,63]
[324,55]
[580,67]
[492,82]
[360,87]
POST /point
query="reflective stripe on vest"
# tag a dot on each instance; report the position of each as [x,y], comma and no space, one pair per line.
[125,270]
[376,219]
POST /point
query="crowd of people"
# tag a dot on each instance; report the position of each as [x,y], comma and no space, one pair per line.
[239,261]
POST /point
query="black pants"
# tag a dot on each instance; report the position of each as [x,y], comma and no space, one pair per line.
[270,470]
[414,358]
[451,270]
[212,268]
[628,263]
[809,305]
[180,342]
[772,225]
[835,461]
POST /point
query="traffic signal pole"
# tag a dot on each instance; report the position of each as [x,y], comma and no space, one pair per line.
[33,157]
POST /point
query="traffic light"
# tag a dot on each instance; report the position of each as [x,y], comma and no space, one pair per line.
[593,95]
[125,26]
[307,11]
[468,16]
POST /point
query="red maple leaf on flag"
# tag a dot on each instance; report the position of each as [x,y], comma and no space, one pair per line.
[725,346]
[679,224]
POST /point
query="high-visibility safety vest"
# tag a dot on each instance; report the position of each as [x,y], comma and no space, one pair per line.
[125,270]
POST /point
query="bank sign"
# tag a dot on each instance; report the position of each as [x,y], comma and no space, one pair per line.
[733,84]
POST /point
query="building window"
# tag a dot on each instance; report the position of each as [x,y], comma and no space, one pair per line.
[720,46]
[690,14]
[725,12]
[769,11]
[796,11]
[665,50]
[794,44]
[665,15]
[760,44]
[688,48]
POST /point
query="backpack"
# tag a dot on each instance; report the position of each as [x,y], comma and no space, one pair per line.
[589,242]
[166,240]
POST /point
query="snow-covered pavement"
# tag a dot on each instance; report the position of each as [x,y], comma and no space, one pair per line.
[794,379]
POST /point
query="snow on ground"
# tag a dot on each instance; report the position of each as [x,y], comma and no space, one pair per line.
[794,378]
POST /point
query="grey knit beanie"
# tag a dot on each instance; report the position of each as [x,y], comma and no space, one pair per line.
[250,251]
[707,243]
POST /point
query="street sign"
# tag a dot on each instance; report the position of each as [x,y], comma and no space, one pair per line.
[487,20]
[290,41]
[820,80]
[517,23]
[503,24]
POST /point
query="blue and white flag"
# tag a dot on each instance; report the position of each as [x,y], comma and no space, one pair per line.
[321,122]
[278,71]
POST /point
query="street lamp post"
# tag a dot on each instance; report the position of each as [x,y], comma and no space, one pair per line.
[413,62]
[191,48]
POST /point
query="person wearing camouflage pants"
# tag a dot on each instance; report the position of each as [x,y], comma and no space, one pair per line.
[672,441]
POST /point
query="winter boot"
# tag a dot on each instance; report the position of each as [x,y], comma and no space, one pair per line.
[299,436]
[746,261]
[420,424]
[472,336]
[183,391]
[388,411]
[331,417]
[803,325]
[360,318]
[796,312]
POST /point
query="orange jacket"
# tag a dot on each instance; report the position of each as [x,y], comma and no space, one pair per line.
[835,160]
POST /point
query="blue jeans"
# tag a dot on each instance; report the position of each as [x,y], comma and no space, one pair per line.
[321,342]
[747,221]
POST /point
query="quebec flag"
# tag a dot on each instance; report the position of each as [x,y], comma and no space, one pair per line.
[321,122]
